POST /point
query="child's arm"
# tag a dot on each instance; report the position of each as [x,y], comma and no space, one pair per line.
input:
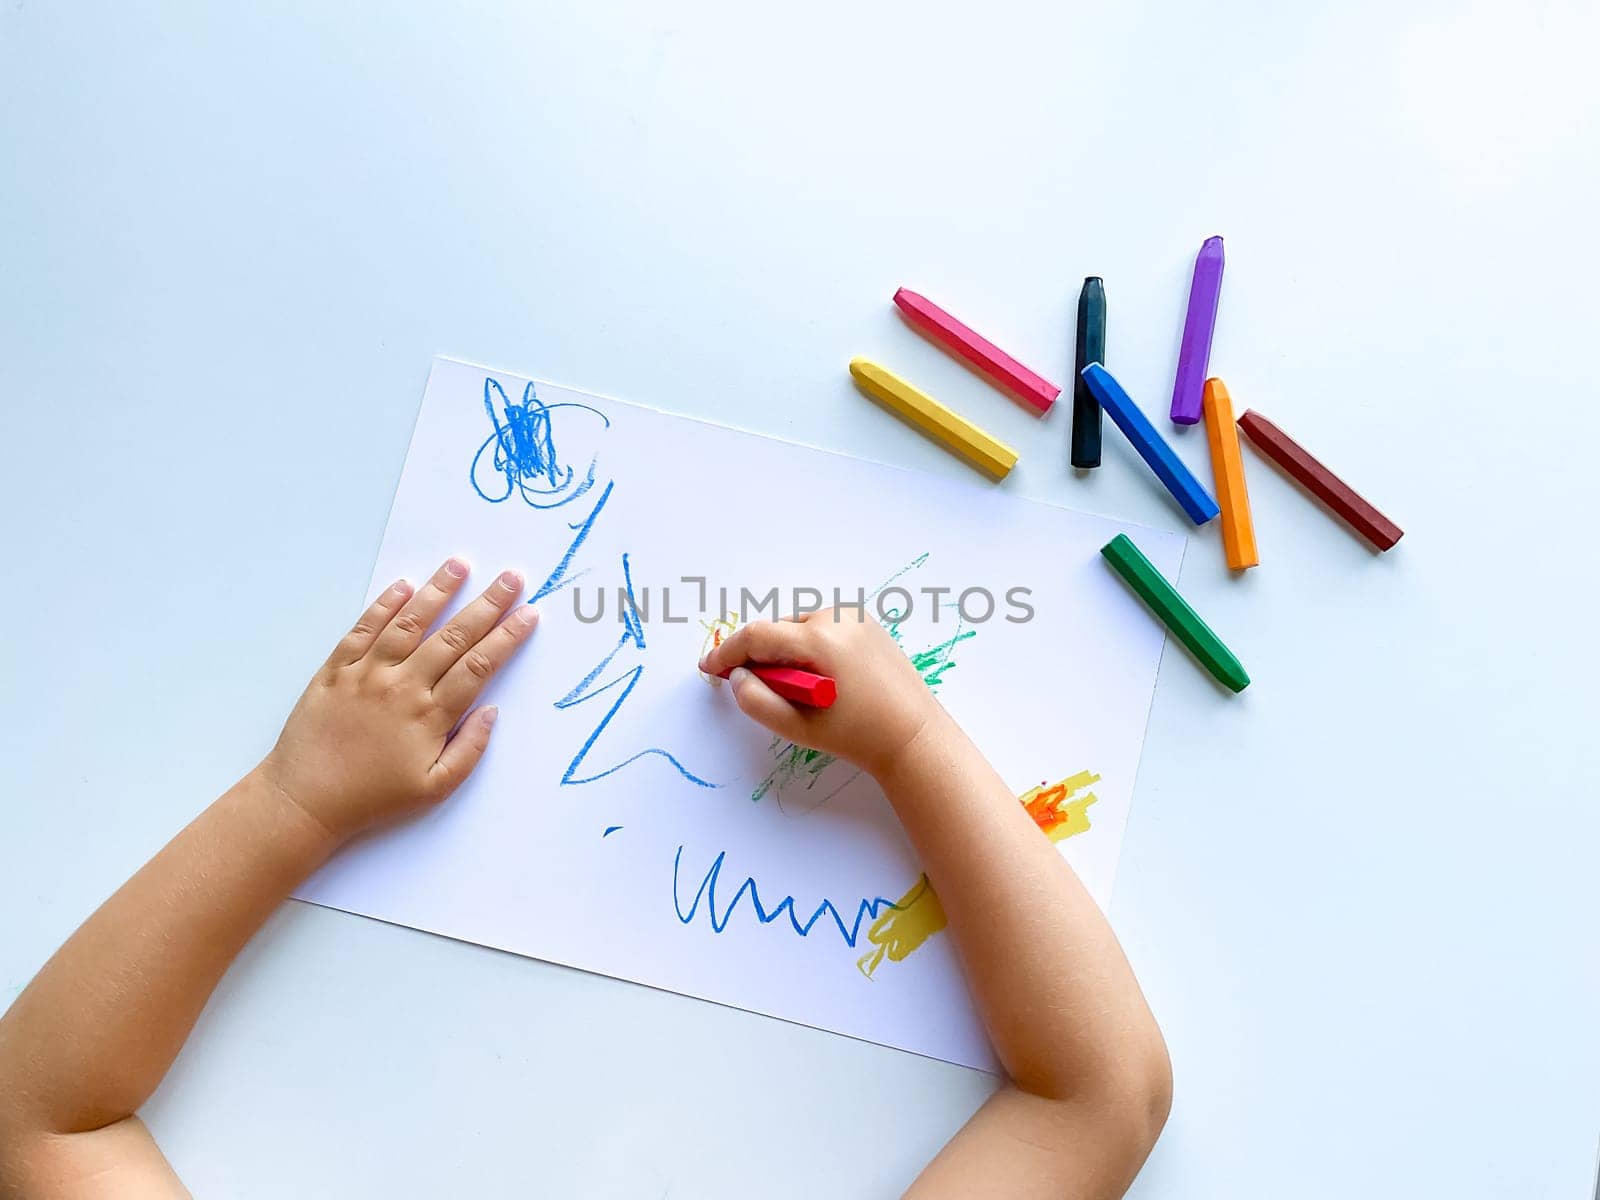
[1090,1080]
[371,739]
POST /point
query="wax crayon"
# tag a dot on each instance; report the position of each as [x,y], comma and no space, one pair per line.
[955,433]
[1194,354]
[1174,612]
[978,350]
[1162,459]
[1238,531]
[801,687]
[1090,347]
[1322,483]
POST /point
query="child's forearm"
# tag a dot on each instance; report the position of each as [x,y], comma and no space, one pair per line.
[1089,1068]
[1060,1002]
[93,1034]
[385,727]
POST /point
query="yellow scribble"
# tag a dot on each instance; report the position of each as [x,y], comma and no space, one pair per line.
[918,915]
[915,918]
[1054,811]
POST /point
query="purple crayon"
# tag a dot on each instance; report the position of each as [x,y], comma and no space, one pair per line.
[1194,356]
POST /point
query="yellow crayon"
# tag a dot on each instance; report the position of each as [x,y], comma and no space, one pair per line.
[994,458]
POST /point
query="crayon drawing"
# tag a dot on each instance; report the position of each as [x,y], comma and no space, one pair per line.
[802,766]
[915,918]
[917,915]
[1055,811]
[899,927]
[618,777]
[588,688]
[520,454]
[707,891]
[718,630]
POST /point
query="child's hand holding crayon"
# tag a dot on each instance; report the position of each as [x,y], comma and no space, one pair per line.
[882,706]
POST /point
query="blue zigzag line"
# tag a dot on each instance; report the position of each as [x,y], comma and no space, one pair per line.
[868,909]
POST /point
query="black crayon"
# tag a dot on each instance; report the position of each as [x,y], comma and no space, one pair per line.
[1091,348]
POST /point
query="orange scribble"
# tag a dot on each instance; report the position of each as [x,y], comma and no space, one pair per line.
[1055,812]
[717,632]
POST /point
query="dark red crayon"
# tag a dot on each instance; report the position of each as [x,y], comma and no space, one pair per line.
[793,684]
[1319,481]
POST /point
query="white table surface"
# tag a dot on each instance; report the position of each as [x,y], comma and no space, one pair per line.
[1361,896]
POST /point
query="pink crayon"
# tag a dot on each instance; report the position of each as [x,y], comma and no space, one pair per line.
[966,343]
[1194,355]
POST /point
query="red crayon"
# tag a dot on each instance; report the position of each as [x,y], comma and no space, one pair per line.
[801,687]
[1319,481]
[965,343]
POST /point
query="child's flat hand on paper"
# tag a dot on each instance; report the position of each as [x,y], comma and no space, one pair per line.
[371,737]
[883,703]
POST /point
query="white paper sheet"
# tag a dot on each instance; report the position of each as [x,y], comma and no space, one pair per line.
[619,778]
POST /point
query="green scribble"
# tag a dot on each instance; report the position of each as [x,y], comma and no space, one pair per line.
[794,762]
[797,763]
[936,661]
[905,570]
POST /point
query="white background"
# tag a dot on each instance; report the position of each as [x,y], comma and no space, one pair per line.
[1360,896]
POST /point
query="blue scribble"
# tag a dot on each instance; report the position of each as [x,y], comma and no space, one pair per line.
[520,456]
[559,578]
[867,910]
[524,458]
[632,633]
[610,829]
[570,776]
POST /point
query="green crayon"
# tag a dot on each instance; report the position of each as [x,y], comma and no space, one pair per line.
[1174,612]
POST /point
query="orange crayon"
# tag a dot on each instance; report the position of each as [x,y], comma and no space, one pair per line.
[1238,532]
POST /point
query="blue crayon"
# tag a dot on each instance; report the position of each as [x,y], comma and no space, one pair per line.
[1136,427]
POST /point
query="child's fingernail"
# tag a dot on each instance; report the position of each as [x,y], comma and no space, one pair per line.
[489,716]
[738,675]
[527,615]
[400,586]
[511,581]
[455,567]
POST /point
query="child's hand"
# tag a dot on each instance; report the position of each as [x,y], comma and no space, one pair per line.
[371,736]
[883,703]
